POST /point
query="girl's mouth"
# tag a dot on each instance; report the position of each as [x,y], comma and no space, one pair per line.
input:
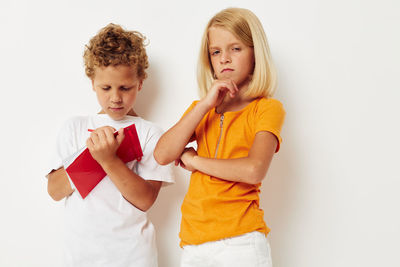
[225,70]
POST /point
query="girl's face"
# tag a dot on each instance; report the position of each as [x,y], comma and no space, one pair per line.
[230,57]
[116,88]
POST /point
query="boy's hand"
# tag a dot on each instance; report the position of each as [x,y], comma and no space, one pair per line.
[218,91]
[103,145]
[187,157]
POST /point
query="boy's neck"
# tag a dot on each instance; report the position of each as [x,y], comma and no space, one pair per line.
[130,113]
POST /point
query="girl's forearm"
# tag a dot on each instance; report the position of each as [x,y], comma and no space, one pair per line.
[171,145]
[139,192]
[245,170]
[251,169]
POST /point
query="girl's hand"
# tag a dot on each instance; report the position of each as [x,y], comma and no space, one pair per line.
[187,158]
[218,91]
[103,145]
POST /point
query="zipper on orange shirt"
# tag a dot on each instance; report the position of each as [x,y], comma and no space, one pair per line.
[221,123]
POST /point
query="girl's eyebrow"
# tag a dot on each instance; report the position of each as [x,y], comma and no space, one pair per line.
[231,44]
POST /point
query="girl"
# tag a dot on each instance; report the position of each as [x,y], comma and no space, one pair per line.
[237,129]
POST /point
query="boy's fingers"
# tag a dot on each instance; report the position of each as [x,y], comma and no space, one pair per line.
[121,135]
[94,138]
[89,143]
[101,136]
[107,128]
[109,135]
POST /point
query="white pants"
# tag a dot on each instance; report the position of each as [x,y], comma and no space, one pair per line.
[248,250]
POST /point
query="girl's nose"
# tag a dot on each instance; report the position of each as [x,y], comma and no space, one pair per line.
[225,58]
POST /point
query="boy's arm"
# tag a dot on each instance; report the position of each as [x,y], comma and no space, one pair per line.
[58,185]
[103,145]
[251,169]
[139,192]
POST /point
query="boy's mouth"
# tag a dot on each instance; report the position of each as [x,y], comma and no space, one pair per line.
[116,109]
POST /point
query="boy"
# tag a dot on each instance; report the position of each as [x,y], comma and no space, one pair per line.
[110,227]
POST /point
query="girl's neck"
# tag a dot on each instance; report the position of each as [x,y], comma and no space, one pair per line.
[237,103]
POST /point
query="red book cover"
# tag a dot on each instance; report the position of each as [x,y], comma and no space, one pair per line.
[86,173]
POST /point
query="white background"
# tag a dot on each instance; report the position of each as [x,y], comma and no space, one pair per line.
[331,195]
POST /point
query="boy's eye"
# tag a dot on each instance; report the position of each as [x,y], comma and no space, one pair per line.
[105,88]
[125,88]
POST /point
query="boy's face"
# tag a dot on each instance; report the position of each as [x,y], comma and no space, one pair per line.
[116,88]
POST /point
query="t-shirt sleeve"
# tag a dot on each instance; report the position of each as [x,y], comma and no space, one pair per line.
[147,167]
[270,117]
[64,148]
[190,108]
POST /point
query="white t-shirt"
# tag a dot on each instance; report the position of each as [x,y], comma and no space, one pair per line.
[104,229]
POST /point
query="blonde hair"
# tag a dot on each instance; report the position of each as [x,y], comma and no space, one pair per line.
[246,27]
[113,45]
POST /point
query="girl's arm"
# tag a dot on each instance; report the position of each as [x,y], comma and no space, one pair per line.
[103,145]
[172,143]
[58,185]
[251,169]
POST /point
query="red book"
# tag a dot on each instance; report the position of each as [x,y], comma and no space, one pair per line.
[86,173]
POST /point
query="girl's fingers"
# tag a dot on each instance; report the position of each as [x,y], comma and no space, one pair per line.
[230,86]
[235,86]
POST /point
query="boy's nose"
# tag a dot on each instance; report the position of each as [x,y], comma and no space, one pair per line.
[116,98]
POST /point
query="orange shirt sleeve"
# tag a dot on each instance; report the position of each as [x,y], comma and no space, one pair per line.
[269,117]
[190,108]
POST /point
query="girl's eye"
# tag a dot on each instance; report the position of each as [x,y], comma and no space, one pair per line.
[213,53]
[106,88]
[236,49]
[125,88]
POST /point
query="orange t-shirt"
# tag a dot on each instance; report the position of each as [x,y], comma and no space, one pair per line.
[214,208]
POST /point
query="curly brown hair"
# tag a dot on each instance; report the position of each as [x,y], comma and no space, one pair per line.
[113,45]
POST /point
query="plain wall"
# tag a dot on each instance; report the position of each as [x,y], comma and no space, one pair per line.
[331,194]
